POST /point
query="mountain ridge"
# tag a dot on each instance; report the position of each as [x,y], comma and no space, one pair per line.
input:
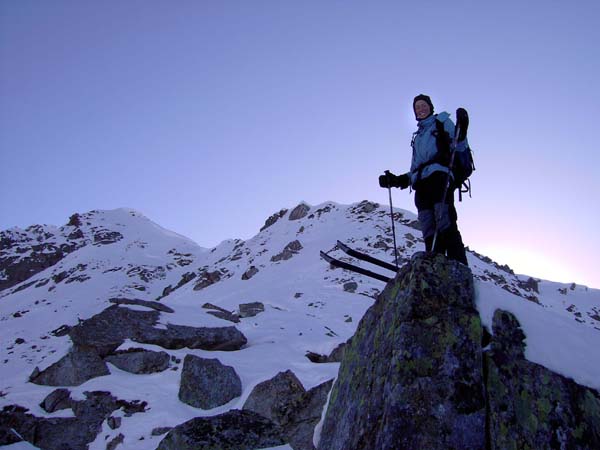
[308,306]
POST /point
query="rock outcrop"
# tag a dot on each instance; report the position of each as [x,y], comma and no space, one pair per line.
[531,406]
[299,212]
[139,361]
[206,383]
[415,375]
[284,401]
[233,430]
[412,374]
[288,251]
[96,339]
[63,433]
[76,367]
[251,309]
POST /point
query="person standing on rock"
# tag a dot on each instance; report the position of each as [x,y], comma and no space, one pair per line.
[428,176]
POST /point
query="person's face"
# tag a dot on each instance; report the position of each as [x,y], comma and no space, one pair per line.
[422,109]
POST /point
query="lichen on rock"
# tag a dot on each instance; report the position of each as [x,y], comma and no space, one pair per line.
[411,377]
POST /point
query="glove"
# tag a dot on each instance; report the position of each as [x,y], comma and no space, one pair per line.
[389,180]
[385,181]
[462,121]
[403,181]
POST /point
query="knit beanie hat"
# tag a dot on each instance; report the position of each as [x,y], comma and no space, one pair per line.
[426,99]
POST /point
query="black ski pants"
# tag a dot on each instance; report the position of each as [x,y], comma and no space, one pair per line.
[437,214]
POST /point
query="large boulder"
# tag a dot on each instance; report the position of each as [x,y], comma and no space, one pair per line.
[233,430]
[148,304]
[284,400]
[251,309]
[206,338]
[99,336]
[108,330]
[140,361]
[303,416]
[299,212]
[76,367]
[271,398]
[57,400]
[412,377]
[206,383]
[531,406]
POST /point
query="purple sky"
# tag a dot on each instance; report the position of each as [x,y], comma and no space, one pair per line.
[208,116]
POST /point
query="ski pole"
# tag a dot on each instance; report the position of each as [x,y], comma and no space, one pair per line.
[387,174]
[437,219]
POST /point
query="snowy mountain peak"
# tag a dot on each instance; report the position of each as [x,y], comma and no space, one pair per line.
[274,288]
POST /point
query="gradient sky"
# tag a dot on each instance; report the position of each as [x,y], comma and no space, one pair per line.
[208,116]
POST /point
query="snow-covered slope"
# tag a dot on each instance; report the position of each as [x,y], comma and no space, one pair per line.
[309,306]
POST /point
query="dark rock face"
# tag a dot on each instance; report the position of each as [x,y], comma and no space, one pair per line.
[364,207]
[76,367]
[180,336]
[221,313]
[152,305]
[206,383]
[57,400]
[274,218]
[289,250]
[270,398]
[284,401]
[18,268]
[412,376]
[109,329]
[351,286]
[299,212]
[73,433]
[337,355]
[251,309]
[185,278]
[234,430]
[530,406]
[304,414]
[252,270]
[99,336]
[106,237]
[140,361]
[206,279]
[114,443]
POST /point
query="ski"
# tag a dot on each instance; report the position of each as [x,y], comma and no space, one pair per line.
[364,257]
[344,265]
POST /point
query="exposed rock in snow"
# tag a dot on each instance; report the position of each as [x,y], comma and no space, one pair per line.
[284,401]
[206,383]
[299,212]
[136,360]
[61,433]
[251,309]
[531,406]
[233,430]
[76,367]
[274,218]
[412,375]
[98,298]
[289,250]
[252,270]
